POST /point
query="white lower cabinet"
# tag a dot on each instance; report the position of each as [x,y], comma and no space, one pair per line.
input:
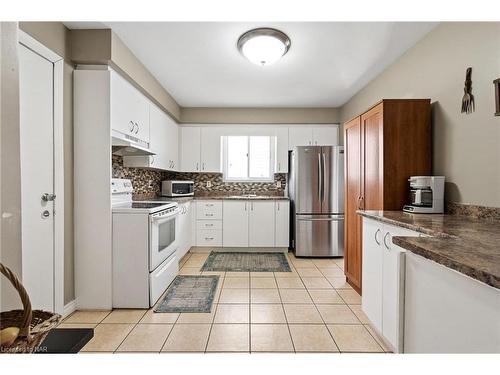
[261,224]
[235,223]
[209,223]
[282,223]
[383,280]
[184,229]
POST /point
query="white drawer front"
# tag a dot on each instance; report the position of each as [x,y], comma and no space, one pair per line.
[209,224]
[208,237]
[161,277]
[209,210]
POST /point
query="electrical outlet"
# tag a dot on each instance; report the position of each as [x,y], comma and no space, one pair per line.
[278,184]
[209,184]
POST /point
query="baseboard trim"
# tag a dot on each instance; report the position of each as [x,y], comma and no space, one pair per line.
[69,308]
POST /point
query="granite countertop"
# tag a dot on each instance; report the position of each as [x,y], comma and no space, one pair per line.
[468,245]
[218,197]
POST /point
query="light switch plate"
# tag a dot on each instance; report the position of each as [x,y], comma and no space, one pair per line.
[209,184]
[278,184]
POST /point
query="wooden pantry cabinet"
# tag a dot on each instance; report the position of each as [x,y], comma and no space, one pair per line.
[383,147]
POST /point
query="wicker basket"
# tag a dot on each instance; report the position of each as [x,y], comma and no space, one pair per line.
[34,325]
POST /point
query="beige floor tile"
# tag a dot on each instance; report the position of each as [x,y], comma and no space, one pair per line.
[323,262]
[309,272]
[312,338]
[356,309]
[267,313]
[353,338]
[325,296]
[270,338]
[214,273]
[316,283]
[282,275]
[199,256]
[339,282]
[377,338]
[265,296]
[194,263]
[261,274]
[337,314]
[289,283]
[86,317]
[351,297]
[197,318]
[77,325]
[332,272]
[189,271]
[302,263]
[125,316]
[146,338]
[295,296]
[232,313]
[237,274]
[187,338]
[263,283]
[302,314]
[152,317]
[339,262]
[234,296]
[229,338]
[236,282]
[107,337]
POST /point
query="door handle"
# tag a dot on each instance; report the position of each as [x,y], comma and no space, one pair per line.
[131,128]
[385,242]
[48,197]
[137,130]
[197,166]
[320,179]
[376,240]
[323,179]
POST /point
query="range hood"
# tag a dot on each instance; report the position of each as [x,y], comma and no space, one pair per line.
[125,145]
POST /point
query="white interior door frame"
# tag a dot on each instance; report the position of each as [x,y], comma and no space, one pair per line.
[40,49]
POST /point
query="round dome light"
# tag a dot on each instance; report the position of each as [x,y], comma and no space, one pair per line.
[264,46]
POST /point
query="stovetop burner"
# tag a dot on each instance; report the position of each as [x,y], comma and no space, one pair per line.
[146,205]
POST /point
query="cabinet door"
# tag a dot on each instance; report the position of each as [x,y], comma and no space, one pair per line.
[281,150]
[182,231]
[299,136]
[371,300]
[129,109]
[211,150]
[326,136]
[235,223]
[190,149]
[261,224]
[172,144]
[159,138]
[282,223]
[353,224]
[372,133]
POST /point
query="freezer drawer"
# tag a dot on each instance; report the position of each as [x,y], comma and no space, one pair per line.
[161,277]
[319,235]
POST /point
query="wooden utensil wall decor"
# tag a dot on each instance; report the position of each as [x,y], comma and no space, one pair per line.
[496,82]
[468,98]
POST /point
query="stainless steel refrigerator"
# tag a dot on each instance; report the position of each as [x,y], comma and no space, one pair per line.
[316,190]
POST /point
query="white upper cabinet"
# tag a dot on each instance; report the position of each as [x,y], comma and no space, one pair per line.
[235,223]
[282,223]
[309,135]
[281,150]
[129,109]
[172,144]
[325,136]
[211,150]
[190,149]
[261,224]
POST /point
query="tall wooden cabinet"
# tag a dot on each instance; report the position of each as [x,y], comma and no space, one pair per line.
[383,147]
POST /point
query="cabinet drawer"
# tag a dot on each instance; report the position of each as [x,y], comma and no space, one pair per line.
[205,237]
[209,210]
[209,224]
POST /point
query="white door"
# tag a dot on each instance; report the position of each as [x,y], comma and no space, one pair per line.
[235,223]
[261,224]
[173,142]
[211,149]
[36,80]
[371,300]
[282,223]
[299,136]
[190,149]
[159,138]
[326,136]
[281,150]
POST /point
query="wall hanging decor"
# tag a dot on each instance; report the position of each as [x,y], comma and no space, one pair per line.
[468,98]
[496,82]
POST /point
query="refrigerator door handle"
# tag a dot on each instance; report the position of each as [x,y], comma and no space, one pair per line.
[309,218]
[320,178]
[323,178]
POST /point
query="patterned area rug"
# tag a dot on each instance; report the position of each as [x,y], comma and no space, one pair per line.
[246,262]
[189,294]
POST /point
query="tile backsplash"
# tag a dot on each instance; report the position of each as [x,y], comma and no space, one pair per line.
[147,182]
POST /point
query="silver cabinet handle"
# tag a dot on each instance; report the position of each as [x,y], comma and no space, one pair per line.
[385,242]
[48,197]
[376,240]
[209,238]
[209,215]
[131,126]
[209,204]
[197,166]
[137,130]
[279,167]
[152,159]
[209,225]
[278,205]
[245,206]
[203,166]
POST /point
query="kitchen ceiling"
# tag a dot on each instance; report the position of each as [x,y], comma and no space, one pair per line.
[328,62]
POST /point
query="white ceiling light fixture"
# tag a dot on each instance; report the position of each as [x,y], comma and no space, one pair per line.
[263,46]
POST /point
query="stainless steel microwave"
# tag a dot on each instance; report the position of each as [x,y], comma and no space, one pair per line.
[172,188]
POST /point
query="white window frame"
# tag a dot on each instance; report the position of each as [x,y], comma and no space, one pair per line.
[272,158]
